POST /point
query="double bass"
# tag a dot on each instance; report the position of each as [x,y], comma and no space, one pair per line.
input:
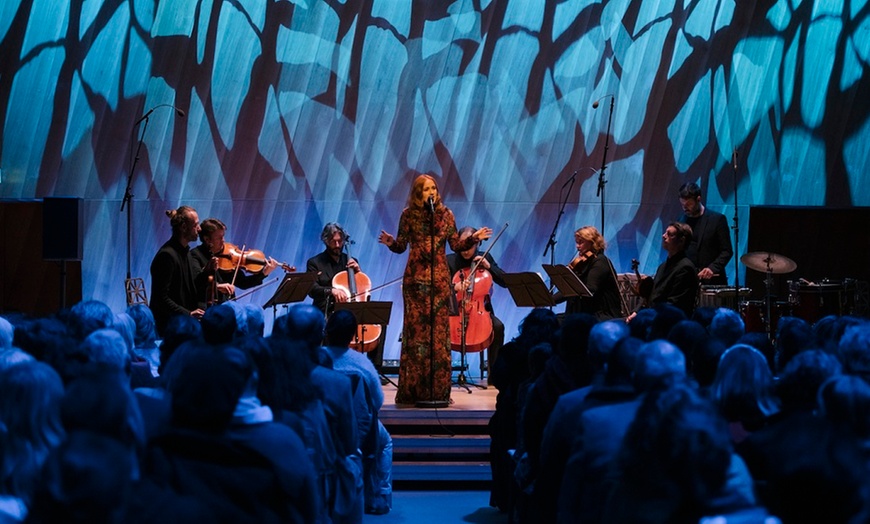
[357,285]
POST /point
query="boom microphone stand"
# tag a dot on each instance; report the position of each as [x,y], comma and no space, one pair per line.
[134,288]
[601,180]
[431,403]
[551,243]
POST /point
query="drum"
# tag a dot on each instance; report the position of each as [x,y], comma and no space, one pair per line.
[754,312]
[722,296]
[811,301]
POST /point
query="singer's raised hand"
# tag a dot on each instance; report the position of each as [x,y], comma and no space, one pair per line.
[483,233]
[386,238]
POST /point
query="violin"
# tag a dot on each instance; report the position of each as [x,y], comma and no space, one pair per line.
[231,258]
[644,286]
[579,262]
[357,285]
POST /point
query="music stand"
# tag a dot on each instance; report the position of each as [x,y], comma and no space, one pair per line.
[528,290]
[294,288]
[370,312]
[566,281]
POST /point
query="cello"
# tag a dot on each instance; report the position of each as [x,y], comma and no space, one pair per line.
[357,285]
[471,330]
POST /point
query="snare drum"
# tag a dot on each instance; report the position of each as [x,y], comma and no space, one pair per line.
[722,296]
[754,312]
[812,302]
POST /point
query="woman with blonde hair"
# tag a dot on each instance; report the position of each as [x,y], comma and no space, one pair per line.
[428,226]
[595,270]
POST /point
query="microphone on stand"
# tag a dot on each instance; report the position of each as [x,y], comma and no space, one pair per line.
[431,204]
[734,158]
[597,103]
[570,180]
[178,112]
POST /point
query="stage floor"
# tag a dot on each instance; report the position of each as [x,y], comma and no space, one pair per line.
[478,400]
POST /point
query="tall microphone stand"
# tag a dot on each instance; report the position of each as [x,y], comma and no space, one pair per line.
[432,403]
[551,243]
[601,180]
[134,288]
[736,229]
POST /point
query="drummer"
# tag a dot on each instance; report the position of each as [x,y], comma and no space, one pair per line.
[710,249]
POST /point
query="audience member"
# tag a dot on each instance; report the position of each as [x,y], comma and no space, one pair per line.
[743,391]
[30,428]
[727,326]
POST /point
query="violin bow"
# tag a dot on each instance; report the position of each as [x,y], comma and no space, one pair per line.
[238,265]
[254,289]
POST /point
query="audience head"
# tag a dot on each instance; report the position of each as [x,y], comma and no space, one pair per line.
[145,336]
[621,361]
[218,325]
[761,342]
[704,315]
[800,381]
[213,380]
[106,348]
[179,330]
[667,316]
[727,326]
[303,322]
[100,401]
[641,325]
[256,321]
[340,328]
[539,354]
[854,350]
[706,361]
[602,339]
[743,387]
[30,424]
[241,315]
[540,325]
[658,361]
[845,401]
[574,345]
[676,453]
[126,327]
[793,335]
[688,335]
[292,390]
[88,316]
[7,332]
[47,339]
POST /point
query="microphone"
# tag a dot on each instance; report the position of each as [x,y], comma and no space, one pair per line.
[573,176]
[734,158]
[431,204]
[178,112]
[597,103]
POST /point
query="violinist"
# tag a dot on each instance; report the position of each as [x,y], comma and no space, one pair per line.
[207,258]
[327,264]
[595,270]
[462,261]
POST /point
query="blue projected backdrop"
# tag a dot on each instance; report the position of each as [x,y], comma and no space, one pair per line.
[304,112]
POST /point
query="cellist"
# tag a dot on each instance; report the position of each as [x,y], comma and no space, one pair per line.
[225,282]
[328,263]
[462,261]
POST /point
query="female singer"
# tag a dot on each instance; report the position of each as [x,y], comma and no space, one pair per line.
[421,324]
[594,269]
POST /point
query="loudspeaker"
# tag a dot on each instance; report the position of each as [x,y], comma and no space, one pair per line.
[62,228]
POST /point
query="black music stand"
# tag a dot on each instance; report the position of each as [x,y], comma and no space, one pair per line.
[566,281]
[370,313]
[528,290]
[294,288]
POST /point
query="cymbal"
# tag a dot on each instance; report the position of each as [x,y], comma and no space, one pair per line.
[764,262]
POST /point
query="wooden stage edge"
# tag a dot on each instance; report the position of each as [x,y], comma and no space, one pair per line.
[473,408]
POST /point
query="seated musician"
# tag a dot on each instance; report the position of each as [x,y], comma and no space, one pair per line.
[226,281]
[676,279]
[595,270]
[463,260]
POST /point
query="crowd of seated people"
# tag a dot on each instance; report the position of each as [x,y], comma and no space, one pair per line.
[102,422]
[670,419]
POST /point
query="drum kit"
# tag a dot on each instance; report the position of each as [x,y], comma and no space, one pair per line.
[807,300]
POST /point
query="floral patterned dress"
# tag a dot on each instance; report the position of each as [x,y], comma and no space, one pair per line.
[420,322]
